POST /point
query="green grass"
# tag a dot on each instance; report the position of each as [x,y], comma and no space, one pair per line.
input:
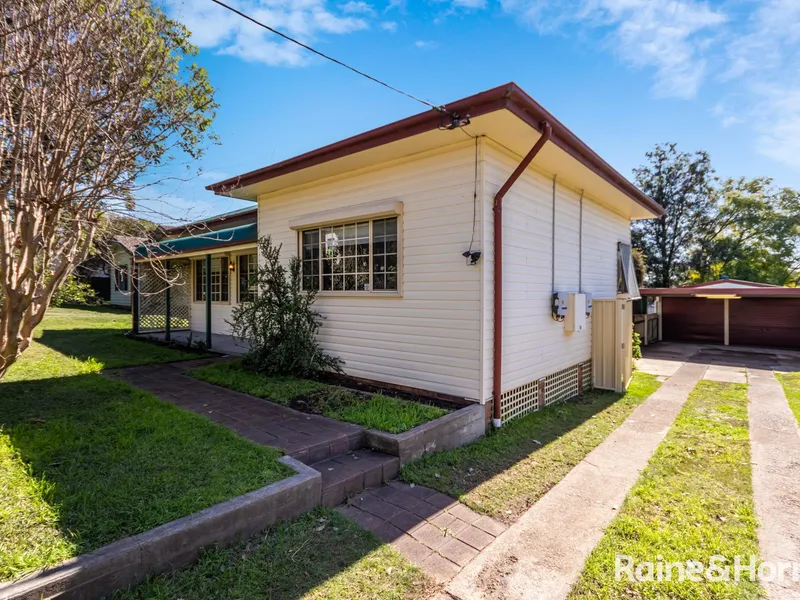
[791,387]
[693,501]
[318,556]
[86,460]
[86,340]
[506,472]
[385,413]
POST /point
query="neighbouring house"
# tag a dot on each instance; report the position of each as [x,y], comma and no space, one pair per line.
[729,312]
[457,252]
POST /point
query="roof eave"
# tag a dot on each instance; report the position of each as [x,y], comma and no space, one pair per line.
[509,96]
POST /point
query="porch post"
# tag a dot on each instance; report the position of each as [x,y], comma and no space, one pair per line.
[660,313]
[727,320]
[208,301]
[135,296]
[168,299]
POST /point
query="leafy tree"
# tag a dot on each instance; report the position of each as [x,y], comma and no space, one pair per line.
[752,234]
[280,324]
[73,291]
[93,95]
[682,183]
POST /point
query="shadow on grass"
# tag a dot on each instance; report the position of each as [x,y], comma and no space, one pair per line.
[506,472]
[100,308]
[117,462]
[110,347]
[103,461]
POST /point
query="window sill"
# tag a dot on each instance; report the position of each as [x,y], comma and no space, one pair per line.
[356,294]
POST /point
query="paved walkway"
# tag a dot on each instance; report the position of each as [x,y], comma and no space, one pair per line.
[433,531]
[775,449]
[542,555]
[308,438]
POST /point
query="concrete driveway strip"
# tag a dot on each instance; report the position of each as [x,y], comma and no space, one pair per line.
[775,450]
[542,555]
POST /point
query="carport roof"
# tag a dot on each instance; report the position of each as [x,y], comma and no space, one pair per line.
[726,287]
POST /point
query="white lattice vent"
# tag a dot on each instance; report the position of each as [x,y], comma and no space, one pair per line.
[520,401]
[561,385]
[556,387]
[587,375]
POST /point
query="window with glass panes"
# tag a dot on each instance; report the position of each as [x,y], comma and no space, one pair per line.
[219,280]
[248,265]
[359,256]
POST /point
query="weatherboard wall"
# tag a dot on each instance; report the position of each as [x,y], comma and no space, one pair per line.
[429,335]
[534,345]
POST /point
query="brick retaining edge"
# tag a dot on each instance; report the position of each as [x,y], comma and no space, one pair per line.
[173,545]
[457,428]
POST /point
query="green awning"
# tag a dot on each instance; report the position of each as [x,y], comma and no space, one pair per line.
[210,241]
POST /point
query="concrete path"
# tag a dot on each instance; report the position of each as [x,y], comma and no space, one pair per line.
[775,449]
[542,555]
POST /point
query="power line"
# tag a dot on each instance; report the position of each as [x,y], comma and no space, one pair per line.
[325,56]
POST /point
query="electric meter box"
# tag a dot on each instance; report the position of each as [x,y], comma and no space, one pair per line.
[560,305]
[576,312]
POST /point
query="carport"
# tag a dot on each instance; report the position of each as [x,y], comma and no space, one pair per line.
[730,312]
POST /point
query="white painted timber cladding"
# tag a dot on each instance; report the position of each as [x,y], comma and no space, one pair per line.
[430,337]
[122,260]
[534,345]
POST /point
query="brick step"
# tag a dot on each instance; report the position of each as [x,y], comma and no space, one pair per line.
[354,472]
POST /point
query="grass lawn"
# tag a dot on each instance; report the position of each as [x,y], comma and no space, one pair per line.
[377,412]
[791,387]
[85,460]
[320,555]
[94,337]
[506,472]
[693,501]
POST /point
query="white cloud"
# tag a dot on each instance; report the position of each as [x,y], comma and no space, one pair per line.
[390,26]
[470,4]
[765,62]
[669,36]
[215,27]
[357,7]
[425,44]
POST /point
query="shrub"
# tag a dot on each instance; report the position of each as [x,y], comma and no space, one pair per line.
[74,291]
[637,345]
[280,323]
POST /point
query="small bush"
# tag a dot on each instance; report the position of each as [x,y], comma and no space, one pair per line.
[74,291]
[637,345]
[280,323]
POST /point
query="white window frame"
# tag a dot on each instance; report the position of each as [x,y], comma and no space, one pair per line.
[215,260]
[238,262]
[354,220]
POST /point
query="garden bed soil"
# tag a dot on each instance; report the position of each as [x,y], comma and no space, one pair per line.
[356,385]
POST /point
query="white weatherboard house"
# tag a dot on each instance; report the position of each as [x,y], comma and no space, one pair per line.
[398,230]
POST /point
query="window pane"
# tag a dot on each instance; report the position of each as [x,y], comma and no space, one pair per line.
[379,282]
[378,264]
[327,282]
[349,282]
[378,228]
[391,226]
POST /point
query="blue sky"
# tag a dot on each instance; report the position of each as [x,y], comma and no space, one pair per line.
[723,76]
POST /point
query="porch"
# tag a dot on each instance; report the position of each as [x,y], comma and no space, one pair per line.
[185,289]
[224,344]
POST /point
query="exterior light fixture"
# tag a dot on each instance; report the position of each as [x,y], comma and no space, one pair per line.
[232,266]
